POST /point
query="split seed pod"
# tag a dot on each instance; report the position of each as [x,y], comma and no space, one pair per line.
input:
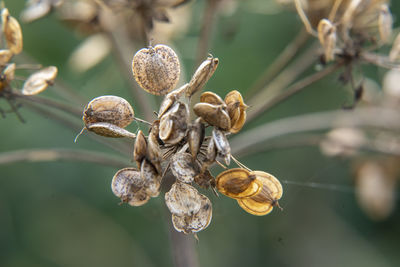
[263,202]
[173,124]
[184,167]
[156,69]
[140,148]
[12,32]
[238,183]
[39,81]
[202,75]
[110,109]
[109,130]
[183,199]
[127,184]
[222,145]
[236,109]
[195,137]
[327,37]
[213,115]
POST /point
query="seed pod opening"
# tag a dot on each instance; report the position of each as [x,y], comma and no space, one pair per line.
[183,199]
[156,69]
[237,183]
[39,81]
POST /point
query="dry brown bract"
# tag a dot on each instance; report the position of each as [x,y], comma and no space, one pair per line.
[39,81]
[12,32]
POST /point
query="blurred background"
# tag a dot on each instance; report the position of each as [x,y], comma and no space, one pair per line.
[65,214]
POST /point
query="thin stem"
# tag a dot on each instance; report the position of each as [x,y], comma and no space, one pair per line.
[292,90]
[59,154]
[304,18]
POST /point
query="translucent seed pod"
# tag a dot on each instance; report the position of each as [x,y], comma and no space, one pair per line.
[170,99]
[183,199]
[12,32]
[328,38]
[263,202]
[151,178]
[156,69]
[140,148]
[236,109]
[109,130]
[5,56]
[237,183]
[222,145]
[212,98]
[202,75]
[110,109]
[195,137]
[173,124]
[184,167]
[385,23]
[197,222]
[213,115]
[128,185]
[39,81]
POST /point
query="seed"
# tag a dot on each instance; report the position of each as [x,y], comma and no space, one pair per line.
[183,167]
[109,130]
[222,145]
[202,75]
[237,183]
[110,109]
[170,99]
[327,37]
[236,109]
[140,148]
[151,178]
[5,56]
[39,81]
[195,137]
[212,98]
[173,124]
[183,199]
[213,115]
[156,69]
[12,32]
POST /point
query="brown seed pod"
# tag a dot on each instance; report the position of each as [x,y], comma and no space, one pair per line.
[236,109]
[151,178]
[237,183]
[140,148]
[170,99]
[202,75]
[327,37]
[5,56]
[156,69]
[109,130]
[39,81]
[222,145]
[211,151]
[213,115]
[183,167]
[196,222]
[12,32]
[212,98]
[195,137]
[263,202]
[204,179]
[173,124]
[110,109]
[127,184]
[183,199]
[154,154]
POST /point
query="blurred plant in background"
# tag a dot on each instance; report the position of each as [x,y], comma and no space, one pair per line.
[322,114]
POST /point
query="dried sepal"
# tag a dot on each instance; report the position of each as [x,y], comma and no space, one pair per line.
[12,32]
[109,130]
[173,124]
[183,199]
[184,167]
[5,56]
[110,109]
[237,183]
[128,185]
[202,75]
[222,145]
[39,81]
[236,110]
[212,98]
[156,69]
[195,137]
[151,178]
[327,37]
[213,115]
[385,23]
[140,148]
[170,99]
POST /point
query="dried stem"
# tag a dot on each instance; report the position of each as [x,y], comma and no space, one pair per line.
[58,154]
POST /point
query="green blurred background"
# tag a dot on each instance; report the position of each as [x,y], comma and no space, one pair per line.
[64,214]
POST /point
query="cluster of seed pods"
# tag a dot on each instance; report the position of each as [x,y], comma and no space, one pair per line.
[179,146]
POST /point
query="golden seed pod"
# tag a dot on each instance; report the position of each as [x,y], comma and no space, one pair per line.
[127,184]
[151,178]
[196,222]
[170,99]
[237,183]
[5,56]
[109,130]
[110,109]
[140,148]
[173,124]
[213,115]
[202,75]
[236,109]
[184,167]
[222,145]
[12,32]
[212,98]
[385,23]
[195,137]
[183,199]
[327,37]
[263,202]
[156,69]
[39,81]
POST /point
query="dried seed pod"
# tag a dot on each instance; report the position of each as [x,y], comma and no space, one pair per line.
[12,32]
[109,130]
[140,148]
[212,98]
[222,145]
[183,199]
[213,115]
[9,72]
[195,137]
[151,178]
[385,23]
[154,154]
[127,184]
[173,124]
[263,202]
[5,56]
[35,10]
[238,183]
[156,69]
[197,222]
[236,109]
[202,75]
[327,37]
[110,109]
[39,81]
[211,151]
[184,167]
[204,179]
[170,99]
